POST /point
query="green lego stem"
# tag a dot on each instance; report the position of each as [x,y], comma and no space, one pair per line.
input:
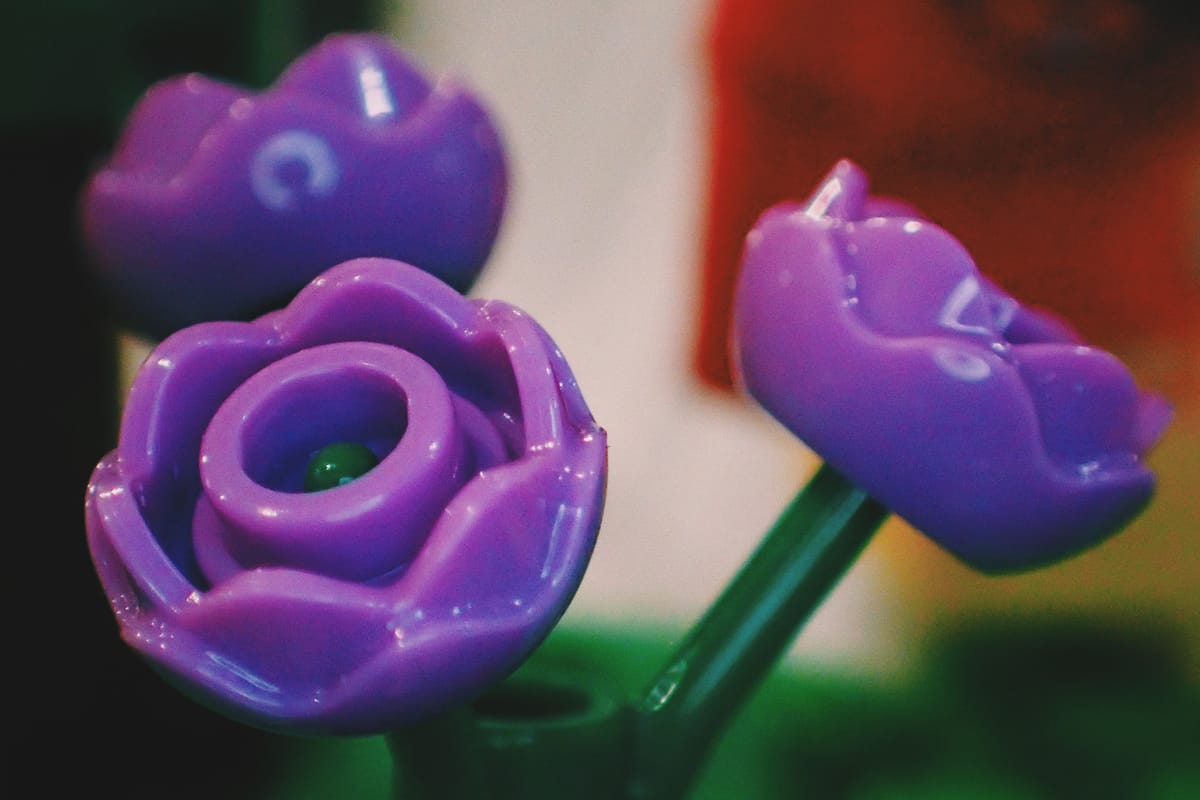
[543,736]
[728,652]
[538,735]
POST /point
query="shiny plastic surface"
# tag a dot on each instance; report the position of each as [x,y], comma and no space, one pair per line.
[221,203]
[364,607]
[985,424]
[727,653]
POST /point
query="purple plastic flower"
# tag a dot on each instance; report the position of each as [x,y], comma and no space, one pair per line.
[986,425]
[361,607]
[221,203]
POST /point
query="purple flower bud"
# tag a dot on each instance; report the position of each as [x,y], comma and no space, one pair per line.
[409,588]
[985,424]
[221,203]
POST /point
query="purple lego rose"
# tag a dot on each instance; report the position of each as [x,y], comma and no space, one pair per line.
[986,425]
[221,203]
[390,596]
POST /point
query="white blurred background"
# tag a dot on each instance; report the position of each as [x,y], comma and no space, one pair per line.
[603,107]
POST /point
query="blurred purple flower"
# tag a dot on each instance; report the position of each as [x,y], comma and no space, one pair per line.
[869,333]
[221,203]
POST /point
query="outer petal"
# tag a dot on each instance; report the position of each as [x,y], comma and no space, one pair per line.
[290,650]
[932,413]
[221,204]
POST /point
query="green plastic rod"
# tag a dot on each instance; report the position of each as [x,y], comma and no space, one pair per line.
[538,736]
[728,652]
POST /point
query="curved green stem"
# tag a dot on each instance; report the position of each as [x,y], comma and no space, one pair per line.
[538,735]
[571,737]
[727,653]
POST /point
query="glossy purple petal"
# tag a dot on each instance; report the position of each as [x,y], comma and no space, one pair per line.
[360,608]
[221,203]
[985,424]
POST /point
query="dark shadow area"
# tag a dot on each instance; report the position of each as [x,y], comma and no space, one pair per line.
[86,708]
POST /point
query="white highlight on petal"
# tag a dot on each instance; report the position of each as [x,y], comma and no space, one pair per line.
[231,667]
[960,365]
[291,146]
[962,296]
[377,100]
[1004,312]
[824,199]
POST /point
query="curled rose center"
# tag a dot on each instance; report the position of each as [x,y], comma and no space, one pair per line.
[260,443]
[355,404]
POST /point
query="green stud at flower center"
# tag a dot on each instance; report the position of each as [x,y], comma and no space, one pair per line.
[337,464]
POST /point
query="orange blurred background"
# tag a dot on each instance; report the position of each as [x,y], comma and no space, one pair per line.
[1060,141]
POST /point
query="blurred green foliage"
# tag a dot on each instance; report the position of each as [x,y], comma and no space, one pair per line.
[999,709]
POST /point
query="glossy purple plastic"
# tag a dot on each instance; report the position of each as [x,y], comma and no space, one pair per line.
[220,203]
[363,607]
[986,425]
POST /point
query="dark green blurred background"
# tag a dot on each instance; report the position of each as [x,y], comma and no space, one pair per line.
[997,709]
